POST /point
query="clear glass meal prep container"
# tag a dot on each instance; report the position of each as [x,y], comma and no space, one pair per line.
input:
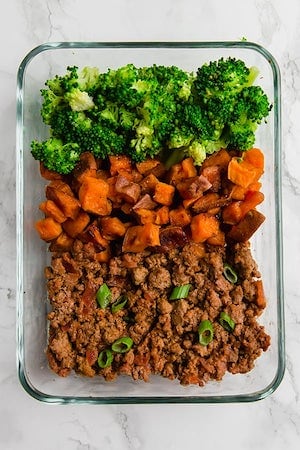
[44,62]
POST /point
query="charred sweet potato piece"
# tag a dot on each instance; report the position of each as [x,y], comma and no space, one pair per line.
[162,215]
[204,226]
[93,194]
[112,228]
[139,237]
[209,201]
[145,202]
[127,190]
[213,175]
[193,187]
[172,237]
[62,243]
[164,193]
[62,195]
[119,164]
[220,158]
[147,166]
[48,229]
[179,217]
[86,167]
[50,209]
[48,174]
[148,183]
[93,234]
[73,227]
[243,231]
[144,215]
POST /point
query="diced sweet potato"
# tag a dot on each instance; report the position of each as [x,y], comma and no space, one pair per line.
[61,186]
[92,234]
[112,228]
[163,193]
[260,294]
[204,226]
[242,172]
[62,243]
[148,183]
[162,215]
[93,196]
[179,217]
[209,201]
[220,158]
[48,229]
[243,231]
[172,237]
[104,255]
[188,168]
[145,202]
[193,187]
[119,164]
[73,227]
[68,204]
[127,190]
[139,237]
[86,167]
[217,239]
[144,215]
[213,175]
[48,174]
[50,209]
[255,157]
[147,166]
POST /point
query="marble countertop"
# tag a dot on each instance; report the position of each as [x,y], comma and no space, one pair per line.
[272,423]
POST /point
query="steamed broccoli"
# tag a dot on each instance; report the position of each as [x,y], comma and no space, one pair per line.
[234,107]
[150,111]
[56,155]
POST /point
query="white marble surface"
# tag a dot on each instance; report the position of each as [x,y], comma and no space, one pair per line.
[273,423]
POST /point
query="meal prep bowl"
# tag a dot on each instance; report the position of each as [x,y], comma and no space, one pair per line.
[44,62]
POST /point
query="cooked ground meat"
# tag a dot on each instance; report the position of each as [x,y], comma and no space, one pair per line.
[164,332]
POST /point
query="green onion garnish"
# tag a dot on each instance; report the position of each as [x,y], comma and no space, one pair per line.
[122,345]
[103,296]
[105,358]
[227,322]
[230,274]
[180,292]
[205,332]
[119,304]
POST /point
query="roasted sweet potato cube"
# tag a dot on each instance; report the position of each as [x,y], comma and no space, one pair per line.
[68,204]
[179,217]
[139,237]
[119,164]
[164,193]
[162,215]
[86,167]
[144,215]
[188,168]
[48,229]
[204,226]
[112,228]
[93,194]
[73,227]
[127,190]
[243,231]
[50,209]
[48,174]
[62,243]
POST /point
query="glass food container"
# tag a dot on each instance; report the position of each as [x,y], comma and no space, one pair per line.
[50,59]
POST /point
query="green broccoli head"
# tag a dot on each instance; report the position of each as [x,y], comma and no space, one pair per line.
[223,77]
[56,155]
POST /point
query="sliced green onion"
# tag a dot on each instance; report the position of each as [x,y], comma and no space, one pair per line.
[119,304]
[205,332]
[226,321]
[230,274]
[122,345]
[103,296]
[105,358]
[180,292]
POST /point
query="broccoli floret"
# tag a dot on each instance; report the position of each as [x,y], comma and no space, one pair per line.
[234,107]
[79,100]
[56,155]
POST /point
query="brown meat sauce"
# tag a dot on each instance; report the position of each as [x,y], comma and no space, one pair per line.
[164,332]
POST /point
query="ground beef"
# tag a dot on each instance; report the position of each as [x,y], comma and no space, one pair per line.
[164,332]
